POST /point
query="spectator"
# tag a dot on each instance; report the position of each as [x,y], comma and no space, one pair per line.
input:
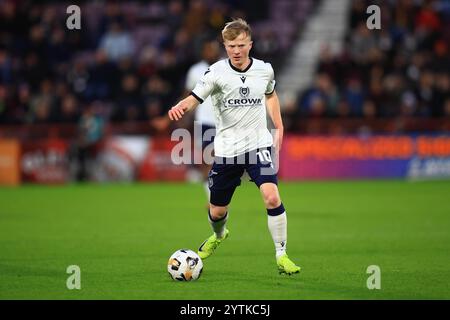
[70,111]
[401,70]
[43,104]
[128,101]
[117,43]
[91,128]
[355,96]
[6,72]
[102,78]
[321,99]
[442,93]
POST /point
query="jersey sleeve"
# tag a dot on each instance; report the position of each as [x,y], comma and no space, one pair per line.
[204,86]
[271,84]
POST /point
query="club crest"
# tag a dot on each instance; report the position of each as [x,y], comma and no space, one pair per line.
[244,92]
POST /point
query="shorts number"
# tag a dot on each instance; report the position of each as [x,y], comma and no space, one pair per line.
[264,155]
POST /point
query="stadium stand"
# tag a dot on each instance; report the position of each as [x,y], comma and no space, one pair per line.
[391,80]
[130,59]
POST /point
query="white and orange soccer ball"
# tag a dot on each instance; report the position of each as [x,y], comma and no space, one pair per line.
[185,265]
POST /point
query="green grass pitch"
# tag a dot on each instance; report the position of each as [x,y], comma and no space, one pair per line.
[121,237]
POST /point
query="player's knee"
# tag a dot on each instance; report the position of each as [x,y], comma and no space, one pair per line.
[217,212]
[272,200]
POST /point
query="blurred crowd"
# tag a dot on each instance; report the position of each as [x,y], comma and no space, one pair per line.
[128,62]
[401,70]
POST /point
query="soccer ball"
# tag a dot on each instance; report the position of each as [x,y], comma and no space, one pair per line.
[185,265]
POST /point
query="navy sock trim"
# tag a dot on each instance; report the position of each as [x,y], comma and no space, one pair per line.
[276,211]
[209,214]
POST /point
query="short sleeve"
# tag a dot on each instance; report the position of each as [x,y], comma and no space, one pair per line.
[204,86]
[271,84]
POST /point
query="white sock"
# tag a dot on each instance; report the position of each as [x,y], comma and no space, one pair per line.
[278,230]
[206,186]
[218,225]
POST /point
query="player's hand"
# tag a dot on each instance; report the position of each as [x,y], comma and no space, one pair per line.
[177,111]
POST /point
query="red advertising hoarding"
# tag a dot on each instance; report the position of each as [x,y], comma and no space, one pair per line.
[323,157]
[45,161]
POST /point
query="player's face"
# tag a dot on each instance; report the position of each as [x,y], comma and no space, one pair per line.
[238,49]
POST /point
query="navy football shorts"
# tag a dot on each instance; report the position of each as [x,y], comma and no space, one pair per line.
[225,174]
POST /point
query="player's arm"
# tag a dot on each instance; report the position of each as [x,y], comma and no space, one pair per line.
[185,105]
[202,90]
[274,111]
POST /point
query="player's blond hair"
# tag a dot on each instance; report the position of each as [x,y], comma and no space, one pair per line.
[234,28]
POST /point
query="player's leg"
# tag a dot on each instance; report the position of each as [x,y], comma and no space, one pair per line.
[277,223]
[223,180]
[264,175]
[217,217]
[276,216]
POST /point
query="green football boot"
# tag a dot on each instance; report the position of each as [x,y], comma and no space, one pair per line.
[208,246]
[286,266]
